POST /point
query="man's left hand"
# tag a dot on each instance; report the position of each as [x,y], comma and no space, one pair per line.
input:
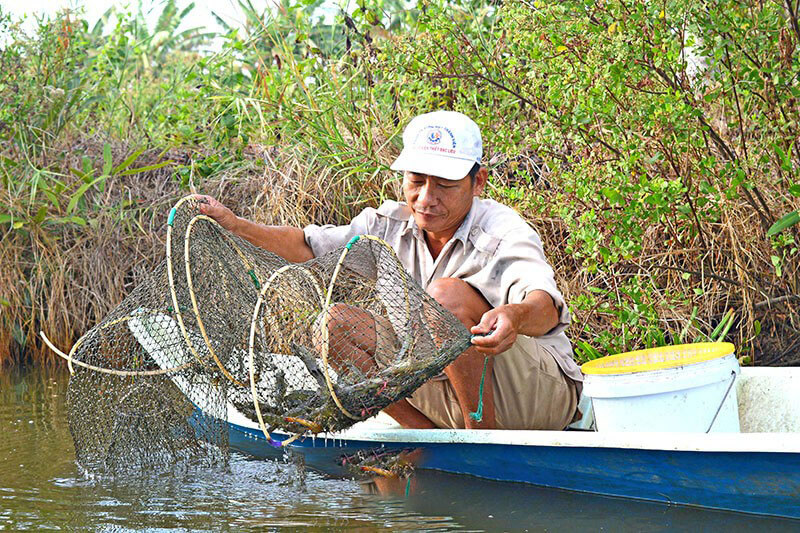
[496,331]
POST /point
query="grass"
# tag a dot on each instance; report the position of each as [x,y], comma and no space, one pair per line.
[295,121]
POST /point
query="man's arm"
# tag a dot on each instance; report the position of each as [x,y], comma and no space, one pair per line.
[534,316]
[286,241]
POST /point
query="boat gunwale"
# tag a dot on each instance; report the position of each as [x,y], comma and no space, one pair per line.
[677,442]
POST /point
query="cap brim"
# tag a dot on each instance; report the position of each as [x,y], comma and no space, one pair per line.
[449,168]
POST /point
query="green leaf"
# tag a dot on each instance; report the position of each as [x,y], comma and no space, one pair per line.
[75,198]
[612,194]
[5,218]
[87,169]
[776,262]
[794,190]
[145,169]
[5,302]
[107,162]
[40,214]
[588,351]
[789,219]
[785,159]
[125,164]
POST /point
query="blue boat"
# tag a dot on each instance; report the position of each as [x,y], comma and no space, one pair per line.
[755,471]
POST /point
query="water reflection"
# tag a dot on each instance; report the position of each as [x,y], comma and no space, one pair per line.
[41,487]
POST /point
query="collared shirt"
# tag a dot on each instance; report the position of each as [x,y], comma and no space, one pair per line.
[494,250]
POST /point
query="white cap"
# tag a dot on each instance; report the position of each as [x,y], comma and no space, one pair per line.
[443,143]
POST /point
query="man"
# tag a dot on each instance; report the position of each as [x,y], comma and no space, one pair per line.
[477,258]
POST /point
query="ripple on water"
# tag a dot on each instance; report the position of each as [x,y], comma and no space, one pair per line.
[42,488]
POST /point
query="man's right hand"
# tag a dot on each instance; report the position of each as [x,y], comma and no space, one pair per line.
[211,207]
[286,241]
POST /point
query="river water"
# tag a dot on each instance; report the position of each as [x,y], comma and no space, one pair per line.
[41,488]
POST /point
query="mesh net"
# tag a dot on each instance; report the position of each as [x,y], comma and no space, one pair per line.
[222,328]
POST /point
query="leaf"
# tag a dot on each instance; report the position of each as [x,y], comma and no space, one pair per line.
[70,220]
[612,28]
[776,262]
[5,218]
[785,159]
[788,220]
[128,161]
[40,214]
[107,162]
[794,190]
[612,194]
[589,352]
[87,169]
[147,168]
[75,198]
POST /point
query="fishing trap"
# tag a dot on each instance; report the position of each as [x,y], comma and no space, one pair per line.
[222,330]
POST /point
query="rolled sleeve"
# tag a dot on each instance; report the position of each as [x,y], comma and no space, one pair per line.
[517,268]
[323,239]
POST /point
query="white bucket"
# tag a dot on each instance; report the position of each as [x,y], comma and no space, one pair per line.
[666,389]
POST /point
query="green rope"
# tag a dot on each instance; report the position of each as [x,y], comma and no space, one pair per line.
[408,486]
[254,278]
[352,241]
[477,416]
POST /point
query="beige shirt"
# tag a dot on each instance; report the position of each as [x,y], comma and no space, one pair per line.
[494,250]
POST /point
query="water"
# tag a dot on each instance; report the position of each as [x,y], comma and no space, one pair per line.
[41,488]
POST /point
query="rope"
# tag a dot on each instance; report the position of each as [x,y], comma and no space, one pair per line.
[725,397]
[477,416]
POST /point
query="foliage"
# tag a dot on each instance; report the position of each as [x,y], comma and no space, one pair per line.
[654,147]
[670,134]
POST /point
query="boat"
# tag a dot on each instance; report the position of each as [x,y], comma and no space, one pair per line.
[754,471]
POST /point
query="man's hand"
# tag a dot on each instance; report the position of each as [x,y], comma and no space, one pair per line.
[286,241]
[496,331]
[211,207]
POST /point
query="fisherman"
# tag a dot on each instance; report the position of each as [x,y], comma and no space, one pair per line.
[480,260]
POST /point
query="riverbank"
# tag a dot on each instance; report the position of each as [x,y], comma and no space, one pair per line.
[664,194]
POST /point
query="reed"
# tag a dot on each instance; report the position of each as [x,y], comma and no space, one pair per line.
[654,194]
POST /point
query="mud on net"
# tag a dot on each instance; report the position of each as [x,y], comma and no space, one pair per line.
[222,330]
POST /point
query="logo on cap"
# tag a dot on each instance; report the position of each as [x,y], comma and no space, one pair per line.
[434,137]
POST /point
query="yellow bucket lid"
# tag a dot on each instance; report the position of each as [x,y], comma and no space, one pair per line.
[658,358]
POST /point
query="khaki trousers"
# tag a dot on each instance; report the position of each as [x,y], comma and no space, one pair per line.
[530,392]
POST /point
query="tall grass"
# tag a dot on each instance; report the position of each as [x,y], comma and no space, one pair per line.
[653,233]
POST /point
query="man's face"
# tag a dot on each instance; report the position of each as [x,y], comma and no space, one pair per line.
[440,205]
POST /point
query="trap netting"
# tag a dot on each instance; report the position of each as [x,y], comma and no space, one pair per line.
[222,329]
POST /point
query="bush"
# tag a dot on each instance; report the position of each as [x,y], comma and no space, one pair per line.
[654,147]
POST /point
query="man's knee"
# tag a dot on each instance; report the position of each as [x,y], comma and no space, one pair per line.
[460,298]
[341,320]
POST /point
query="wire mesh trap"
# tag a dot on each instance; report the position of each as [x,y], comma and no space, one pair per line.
[222,328]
